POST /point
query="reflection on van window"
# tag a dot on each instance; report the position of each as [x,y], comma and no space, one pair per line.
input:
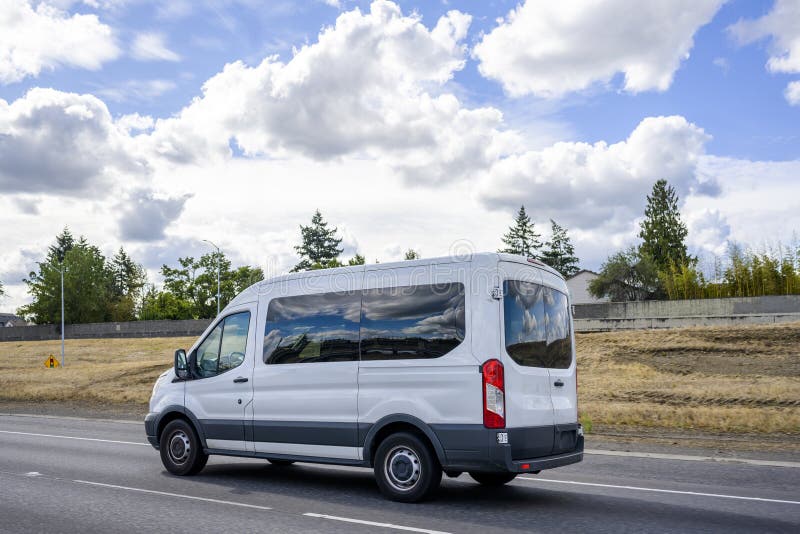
[536,325]
[234,341]
[312,328]
[224,348]
[425,321]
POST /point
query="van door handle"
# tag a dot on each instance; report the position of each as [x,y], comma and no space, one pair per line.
[558,383]
[239,379]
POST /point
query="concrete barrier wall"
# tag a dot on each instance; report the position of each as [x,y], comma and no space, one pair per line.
[606,325]
[680,313]
[105,330]
[780,304]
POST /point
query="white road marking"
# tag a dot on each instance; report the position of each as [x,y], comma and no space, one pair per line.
[690,458]
[167,494]
[74,437]
[374,524]
[33,474]
[657,490]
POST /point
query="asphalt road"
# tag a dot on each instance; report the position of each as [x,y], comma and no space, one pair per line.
[73,475]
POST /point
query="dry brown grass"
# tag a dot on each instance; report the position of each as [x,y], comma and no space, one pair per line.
[719,379]
[97,371]
[736,380]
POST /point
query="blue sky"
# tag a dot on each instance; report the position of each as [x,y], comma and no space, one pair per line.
[452,115]
[737,99]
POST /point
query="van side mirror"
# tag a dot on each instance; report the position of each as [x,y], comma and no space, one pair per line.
[181,365]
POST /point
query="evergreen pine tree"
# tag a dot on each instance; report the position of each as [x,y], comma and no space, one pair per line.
[128,276]
[64,243]
[663,232]
[521,238]
[560,254]
[319,247]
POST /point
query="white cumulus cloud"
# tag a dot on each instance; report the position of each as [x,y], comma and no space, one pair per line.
[371,86]
[551,48]
[591,186]
[61,143]
[782,26]
[792,93]
[36,36]
[151,46]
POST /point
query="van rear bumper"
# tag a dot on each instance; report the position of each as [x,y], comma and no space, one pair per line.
[475,448]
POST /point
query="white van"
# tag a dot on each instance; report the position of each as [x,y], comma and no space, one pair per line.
[412,368]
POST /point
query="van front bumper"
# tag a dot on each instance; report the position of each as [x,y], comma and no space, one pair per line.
[150,424]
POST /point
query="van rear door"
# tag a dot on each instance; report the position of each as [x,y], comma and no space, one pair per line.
[562,364]
[529,408]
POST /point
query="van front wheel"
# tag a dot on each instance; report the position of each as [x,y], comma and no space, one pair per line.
[406,469]
[180,448]
[492,479]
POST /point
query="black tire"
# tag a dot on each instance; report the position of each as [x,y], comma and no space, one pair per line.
[181,451]
[280,463]
[493,479]
[406,469]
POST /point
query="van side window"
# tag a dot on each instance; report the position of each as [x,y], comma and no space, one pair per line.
[424,321]
[537,328]
[312,328]
[223,348]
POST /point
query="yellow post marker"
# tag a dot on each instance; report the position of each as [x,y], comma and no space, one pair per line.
[51,362]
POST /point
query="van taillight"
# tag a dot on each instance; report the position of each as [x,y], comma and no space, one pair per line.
[494,404]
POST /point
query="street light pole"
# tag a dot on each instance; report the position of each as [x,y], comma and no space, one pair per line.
[218,263]
[62,314]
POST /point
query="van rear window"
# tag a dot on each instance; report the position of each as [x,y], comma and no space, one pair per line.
[537,327]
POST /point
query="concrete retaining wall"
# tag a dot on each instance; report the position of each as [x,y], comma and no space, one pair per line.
[679,313]
[684,308]
[104,330]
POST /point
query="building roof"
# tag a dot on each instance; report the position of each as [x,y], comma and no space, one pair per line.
[11,318]
[583,271]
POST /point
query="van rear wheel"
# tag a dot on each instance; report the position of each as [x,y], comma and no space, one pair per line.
[492,479]
[180,448]
[406,469]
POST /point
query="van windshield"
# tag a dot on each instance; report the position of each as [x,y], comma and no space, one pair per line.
[537,327]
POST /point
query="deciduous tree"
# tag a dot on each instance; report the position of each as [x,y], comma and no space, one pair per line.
[627,275]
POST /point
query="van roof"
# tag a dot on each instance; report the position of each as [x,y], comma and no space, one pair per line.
[251,292]
[467,258]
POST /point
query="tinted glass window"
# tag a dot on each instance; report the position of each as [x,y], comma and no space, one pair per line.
[223,348]
[425,321]
[536,325]
[234,341]
[312,328]
[208,353]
